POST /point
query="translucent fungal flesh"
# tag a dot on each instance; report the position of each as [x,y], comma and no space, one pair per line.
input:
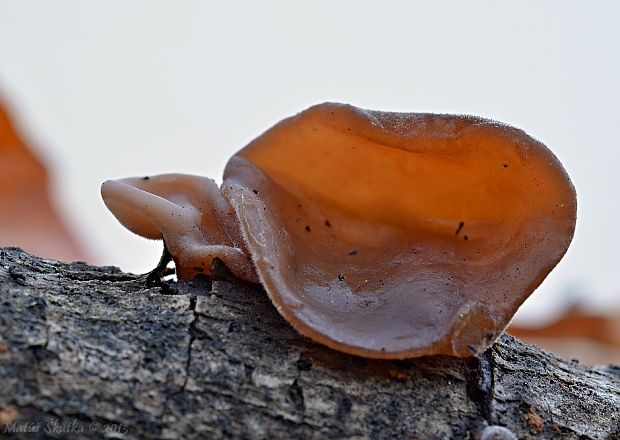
[189,213]
[386,235]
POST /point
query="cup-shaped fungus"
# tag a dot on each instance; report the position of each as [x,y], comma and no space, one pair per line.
[385,235]
[28,217]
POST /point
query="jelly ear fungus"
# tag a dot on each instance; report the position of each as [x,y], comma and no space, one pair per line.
[385,235]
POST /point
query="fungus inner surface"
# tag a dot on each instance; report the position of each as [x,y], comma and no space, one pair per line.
[396,235]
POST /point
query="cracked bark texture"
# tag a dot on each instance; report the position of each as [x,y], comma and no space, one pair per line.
[213,359]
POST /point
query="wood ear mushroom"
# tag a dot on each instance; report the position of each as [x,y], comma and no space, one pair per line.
[384,235]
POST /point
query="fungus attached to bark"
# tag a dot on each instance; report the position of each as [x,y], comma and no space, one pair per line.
[385,235]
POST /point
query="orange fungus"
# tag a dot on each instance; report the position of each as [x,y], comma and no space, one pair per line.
[28,216]
[385,235]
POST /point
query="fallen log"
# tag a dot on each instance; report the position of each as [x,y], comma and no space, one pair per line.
[92,352]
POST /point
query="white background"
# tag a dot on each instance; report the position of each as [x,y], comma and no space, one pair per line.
[122,88]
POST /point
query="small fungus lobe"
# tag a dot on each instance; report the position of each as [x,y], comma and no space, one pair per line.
[399,190]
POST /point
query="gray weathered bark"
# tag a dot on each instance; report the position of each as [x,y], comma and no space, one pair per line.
[93,352]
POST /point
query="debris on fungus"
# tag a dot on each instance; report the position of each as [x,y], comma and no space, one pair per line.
[432,243]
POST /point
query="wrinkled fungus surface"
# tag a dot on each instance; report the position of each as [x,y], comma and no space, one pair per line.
[385,235]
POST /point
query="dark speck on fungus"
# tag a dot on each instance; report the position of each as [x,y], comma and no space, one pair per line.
[393,184]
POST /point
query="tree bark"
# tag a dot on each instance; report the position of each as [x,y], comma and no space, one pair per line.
[92,352]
